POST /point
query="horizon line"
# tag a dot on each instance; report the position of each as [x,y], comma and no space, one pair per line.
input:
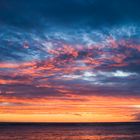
[70,122]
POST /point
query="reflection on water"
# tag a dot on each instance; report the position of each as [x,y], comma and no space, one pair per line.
[79,131]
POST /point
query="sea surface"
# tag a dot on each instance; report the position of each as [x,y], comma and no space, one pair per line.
[69,131]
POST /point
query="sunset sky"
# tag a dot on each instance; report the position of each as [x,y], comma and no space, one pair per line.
[69,61]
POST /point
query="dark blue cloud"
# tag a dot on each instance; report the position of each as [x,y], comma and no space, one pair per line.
[92,13]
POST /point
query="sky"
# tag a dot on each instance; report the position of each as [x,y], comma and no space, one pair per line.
[69,61]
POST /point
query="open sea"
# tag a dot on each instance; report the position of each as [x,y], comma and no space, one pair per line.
[69,131]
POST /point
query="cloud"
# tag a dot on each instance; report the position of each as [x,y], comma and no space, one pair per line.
[3,104]
[123,74]
[92,13]
[70,58]
[137,117]
[98,62]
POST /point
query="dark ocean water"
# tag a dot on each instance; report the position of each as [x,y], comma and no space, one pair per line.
[69,131]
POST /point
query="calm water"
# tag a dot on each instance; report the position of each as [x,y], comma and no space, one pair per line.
[79,131]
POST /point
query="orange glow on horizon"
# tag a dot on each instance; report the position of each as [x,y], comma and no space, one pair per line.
[92,109]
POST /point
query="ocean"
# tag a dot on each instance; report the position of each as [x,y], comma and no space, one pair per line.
[69,131]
